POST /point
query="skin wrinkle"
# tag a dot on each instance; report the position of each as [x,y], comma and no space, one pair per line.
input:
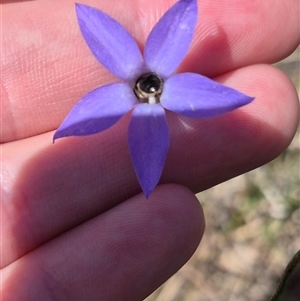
[7,114]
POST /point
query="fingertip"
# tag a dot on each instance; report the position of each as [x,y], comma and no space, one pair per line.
[175,223]
[276,103]
[175,202]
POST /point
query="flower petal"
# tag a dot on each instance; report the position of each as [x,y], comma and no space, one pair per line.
[110,43]
[169,40]
[193,95]
[97,111]
[149,141]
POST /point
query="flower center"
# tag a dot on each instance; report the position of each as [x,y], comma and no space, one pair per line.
[148,88]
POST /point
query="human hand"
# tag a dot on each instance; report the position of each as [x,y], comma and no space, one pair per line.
[74,226]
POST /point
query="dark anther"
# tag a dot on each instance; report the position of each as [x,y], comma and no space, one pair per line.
[150,83]
[148,88]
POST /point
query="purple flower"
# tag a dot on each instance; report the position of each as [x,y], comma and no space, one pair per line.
[148,86]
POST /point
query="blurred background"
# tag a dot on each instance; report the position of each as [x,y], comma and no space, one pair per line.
[252,230]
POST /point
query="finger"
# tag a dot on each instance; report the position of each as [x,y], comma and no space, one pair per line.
[124,254]
[233,34]
[47,68]
[48,189]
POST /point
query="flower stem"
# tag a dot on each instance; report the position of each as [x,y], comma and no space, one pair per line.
[286,275]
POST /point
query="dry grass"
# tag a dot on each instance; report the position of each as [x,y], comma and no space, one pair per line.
[253,226]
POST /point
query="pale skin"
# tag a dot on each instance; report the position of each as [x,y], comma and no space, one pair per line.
[74,225]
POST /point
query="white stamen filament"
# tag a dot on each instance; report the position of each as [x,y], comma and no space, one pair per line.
[151,99]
